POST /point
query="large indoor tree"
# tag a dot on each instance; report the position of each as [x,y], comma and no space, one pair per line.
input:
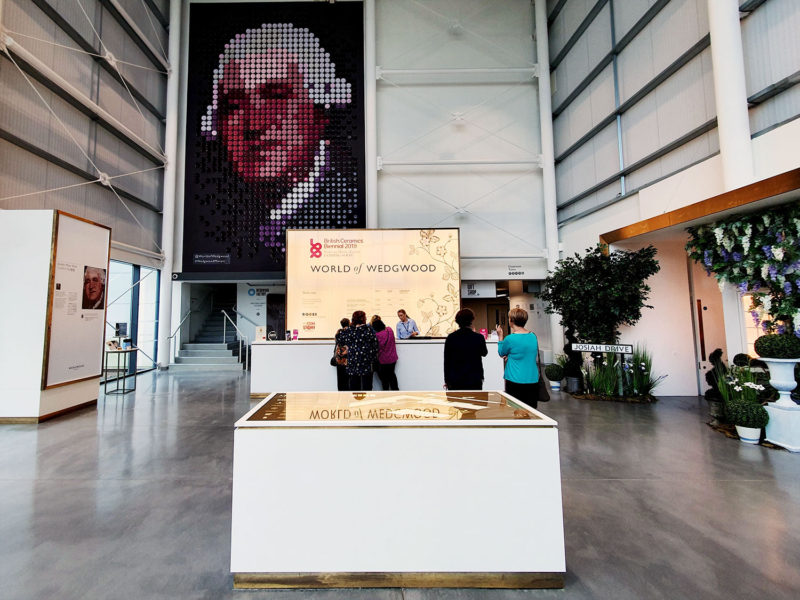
[595,294]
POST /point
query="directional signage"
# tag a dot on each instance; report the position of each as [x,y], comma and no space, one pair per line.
[615,348]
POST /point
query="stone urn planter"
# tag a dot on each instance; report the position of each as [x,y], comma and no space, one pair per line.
[781,377]
[781,352]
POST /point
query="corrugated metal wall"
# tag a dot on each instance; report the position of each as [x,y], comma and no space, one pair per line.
[633,95]
[50,142]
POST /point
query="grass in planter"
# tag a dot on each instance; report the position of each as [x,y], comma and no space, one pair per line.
[602,376]
[639,377]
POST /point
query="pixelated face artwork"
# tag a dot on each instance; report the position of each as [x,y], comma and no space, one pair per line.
[268,122]
[275,130]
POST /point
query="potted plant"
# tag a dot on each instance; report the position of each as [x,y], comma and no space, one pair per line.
[749,418]
[715,378]
[780,351]
[595,294]
[555,373]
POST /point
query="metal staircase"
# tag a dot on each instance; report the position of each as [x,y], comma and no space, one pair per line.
[216,345]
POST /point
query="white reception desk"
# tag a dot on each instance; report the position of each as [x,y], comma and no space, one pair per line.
[396,489]
[304,365]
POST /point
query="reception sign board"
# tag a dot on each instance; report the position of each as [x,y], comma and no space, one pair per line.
[332,273]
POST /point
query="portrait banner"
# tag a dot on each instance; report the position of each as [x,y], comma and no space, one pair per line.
[331,274]
[274,130]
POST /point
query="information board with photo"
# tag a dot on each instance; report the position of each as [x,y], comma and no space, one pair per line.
[78,301]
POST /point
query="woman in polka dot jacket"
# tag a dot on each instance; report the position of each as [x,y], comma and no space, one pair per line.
[362,350]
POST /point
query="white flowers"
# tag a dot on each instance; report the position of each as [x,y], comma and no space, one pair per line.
[752,385]
[777,253]
[719,233]
[746,242]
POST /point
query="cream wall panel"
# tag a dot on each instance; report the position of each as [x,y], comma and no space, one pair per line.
[589,164]
[146,80]
[627,13]
[598,198]
[680,104]
[592,46]
[675,29]
[114,98]
[771,43]
[780,108]
[71,11]
[567,22]
[591,106]
[147,23]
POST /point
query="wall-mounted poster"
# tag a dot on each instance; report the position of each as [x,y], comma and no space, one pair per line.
[76,324]
[331,274]
[274,131]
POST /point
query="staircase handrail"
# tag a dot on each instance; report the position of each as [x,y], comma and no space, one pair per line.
[241,336]
[245,317]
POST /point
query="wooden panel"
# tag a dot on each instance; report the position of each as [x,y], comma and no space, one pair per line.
[760,190]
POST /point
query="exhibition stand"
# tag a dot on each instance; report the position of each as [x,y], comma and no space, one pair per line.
[304,365]
[396,489]
[53,313]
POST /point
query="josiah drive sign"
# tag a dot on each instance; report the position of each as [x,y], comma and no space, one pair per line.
[615,348]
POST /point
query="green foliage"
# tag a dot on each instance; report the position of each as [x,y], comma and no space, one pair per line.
[775,345]
[561,360]
[760,253]
[639,379]
[602,376]
[554,372]
[747,414]
[741,360]
[597,293]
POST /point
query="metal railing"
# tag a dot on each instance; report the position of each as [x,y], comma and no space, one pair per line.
[172,345]
[242,337]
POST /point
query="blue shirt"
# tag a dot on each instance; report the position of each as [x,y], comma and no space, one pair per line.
[405,329]
[521,350]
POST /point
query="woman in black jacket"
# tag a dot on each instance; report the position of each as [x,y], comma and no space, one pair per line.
[464,350]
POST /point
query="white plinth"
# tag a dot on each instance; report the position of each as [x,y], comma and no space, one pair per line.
[365,495]
[783,428]
[304,365]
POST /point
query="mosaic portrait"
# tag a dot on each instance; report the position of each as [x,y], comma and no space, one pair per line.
[275,130]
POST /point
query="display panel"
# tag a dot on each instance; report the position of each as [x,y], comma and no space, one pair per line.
[78,302]
[331,274]
[398,408]
[274,129]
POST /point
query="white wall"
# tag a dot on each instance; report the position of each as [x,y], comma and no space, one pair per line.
[253,306]
[475,113]
[25,243]
[666,329]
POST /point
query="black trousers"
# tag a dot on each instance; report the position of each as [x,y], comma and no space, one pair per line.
[524,392]
[360,383]
[342,380]
[387,376]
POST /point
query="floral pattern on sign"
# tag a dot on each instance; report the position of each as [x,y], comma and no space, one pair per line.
[438,310]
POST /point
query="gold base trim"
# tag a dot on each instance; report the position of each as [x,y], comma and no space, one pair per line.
[398,580]
[19,420]
[259,396]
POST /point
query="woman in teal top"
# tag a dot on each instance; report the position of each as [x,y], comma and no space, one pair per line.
[521,349]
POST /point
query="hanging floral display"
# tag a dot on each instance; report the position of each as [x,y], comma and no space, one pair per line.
[760,254]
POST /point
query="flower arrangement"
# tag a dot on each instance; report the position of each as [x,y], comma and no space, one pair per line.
[760,254]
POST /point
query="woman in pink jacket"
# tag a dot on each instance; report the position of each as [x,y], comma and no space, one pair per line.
[387,355]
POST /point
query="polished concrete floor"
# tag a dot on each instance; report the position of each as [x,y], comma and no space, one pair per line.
[133,500]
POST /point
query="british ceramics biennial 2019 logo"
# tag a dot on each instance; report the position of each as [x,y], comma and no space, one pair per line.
[316,249]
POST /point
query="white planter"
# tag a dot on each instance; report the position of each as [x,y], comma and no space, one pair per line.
[748,435]
[555,386]
[781,377]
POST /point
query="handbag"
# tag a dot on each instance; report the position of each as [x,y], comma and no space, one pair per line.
[544,394]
